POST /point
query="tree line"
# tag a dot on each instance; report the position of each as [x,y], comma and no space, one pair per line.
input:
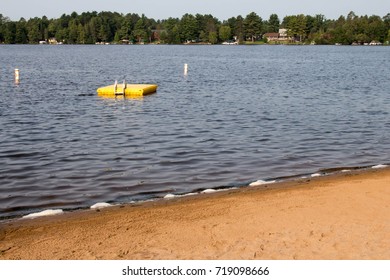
[113,27]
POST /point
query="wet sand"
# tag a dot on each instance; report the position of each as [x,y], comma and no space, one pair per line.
[344,216]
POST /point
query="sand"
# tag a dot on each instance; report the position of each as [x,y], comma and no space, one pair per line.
[344,216]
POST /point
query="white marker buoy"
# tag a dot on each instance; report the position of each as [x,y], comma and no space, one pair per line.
[185,69]
[17,77]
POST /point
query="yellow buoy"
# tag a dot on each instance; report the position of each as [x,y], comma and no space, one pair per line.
[127,90]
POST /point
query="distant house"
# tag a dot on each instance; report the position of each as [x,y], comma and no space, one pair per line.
[278,37]
[283,36]
[156,34]
[272,36]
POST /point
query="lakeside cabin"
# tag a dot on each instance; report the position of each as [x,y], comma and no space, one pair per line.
[280,36]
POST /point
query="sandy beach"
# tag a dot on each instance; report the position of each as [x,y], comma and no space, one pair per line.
[342,216]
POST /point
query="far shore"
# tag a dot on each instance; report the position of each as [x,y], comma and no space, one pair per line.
[345,216]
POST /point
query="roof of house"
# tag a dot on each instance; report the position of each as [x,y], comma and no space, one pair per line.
[271,34]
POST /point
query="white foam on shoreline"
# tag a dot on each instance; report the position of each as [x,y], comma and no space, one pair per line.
[208,191]
[189,194]
[218,190]
[171,195]
[379,166]
[101,205]
[49,212]
[260,182]
[52,212]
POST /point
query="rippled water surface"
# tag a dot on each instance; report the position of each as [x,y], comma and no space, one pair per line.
[243,113]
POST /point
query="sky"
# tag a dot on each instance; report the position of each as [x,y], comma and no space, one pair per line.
[221,9]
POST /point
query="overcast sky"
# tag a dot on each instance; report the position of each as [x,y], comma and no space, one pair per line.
[222,9]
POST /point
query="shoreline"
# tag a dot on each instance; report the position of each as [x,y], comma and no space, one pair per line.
[265,182]
[339,216]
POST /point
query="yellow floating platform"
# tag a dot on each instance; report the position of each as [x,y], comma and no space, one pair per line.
[127,90]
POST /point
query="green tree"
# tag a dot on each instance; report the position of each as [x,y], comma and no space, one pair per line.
[362,38]
[213,37]
[239,30]
[81,39]
[2,21]
[62,35]
[273,23]
[253,26]
[319,23]
[94,27]
[88,35]
[176,35]
[52,28]
[73,33]
[9,32]
[376,29]
[33,32]
[337,33]
[104,33]
[21,32]
[116,37]
[125,30]
[203,36]
[350,28]
[188,28]
[206,24]
[171,28]
[296,26]
[225,32]
[43,27]
[386,20]
[164,36]
[140,31]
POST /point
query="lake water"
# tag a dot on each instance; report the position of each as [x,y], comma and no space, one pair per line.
[241,114]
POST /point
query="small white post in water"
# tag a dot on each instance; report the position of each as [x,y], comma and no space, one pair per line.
[17,77]
[115,86]
[124,87]
[185,69]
